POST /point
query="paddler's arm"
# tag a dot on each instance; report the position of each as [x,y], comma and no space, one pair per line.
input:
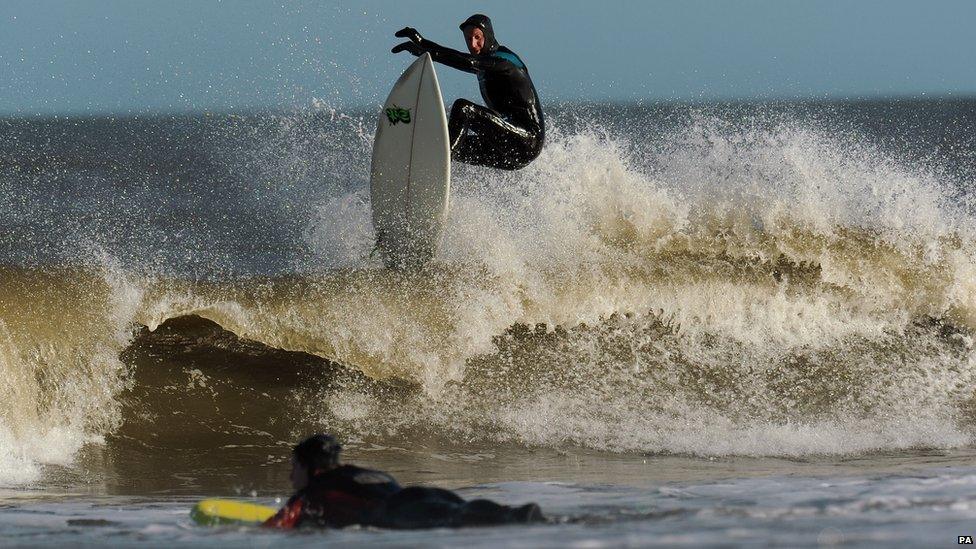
[418,45]
[288,516]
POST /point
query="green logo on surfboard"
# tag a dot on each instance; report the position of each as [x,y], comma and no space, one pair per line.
[398,114]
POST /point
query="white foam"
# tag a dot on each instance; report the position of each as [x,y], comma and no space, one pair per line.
[59,352]
[21,456]
[753,263]
[794,273]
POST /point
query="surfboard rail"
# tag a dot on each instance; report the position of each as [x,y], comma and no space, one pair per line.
[410,174]
[218,512]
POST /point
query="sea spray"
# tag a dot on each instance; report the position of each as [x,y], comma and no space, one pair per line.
[61,333]
[702,283]
[792,263]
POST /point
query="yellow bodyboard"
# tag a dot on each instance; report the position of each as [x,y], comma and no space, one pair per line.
[213,512]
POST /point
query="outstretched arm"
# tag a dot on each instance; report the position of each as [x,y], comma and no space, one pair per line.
[418,45]
[288,516]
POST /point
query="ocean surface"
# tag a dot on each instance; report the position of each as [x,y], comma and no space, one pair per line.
[683,325]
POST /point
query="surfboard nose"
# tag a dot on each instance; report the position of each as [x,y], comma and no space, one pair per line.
[411,168]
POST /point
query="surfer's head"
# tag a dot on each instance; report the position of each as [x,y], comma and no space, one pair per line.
[319,452]
[478,34]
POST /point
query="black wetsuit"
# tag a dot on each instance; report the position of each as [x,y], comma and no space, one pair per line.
[510,131]
[336,498]
[422,507]
[350,495]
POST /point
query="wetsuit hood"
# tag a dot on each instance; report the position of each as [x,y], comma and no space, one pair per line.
[318,452]
[484,23]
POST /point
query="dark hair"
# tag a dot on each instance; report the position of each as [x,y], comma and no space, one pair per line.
[319,451]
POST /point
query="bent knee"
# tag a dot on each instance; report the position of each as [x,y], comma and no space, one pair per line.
[460,105]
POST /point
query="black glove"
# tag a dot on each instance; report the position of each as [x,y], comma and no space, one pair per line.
[414,46]
[411,34]
[410,47]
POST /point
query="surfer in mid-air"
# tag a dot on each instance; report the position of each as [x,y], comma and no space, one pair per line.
[509,132]
[331,495]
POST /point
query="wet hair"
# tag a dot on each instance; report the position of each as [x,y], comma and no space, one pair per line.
[319,451]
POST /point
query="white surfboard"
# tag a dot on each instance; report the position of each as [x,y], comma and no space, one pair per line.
[410,178]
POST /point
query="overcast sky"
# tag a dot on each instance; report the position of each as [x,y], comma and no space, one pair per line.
[135,56]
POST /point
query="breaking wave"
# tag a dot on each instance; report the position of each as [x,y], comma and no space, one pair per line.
[713,289]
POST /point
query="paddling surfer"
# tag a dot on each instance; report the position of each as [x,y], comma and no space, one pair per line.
[509,132]
[332,495]
[329,494]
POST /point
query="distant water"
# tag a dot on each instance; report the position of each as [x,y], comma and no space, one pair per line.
[681,324]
